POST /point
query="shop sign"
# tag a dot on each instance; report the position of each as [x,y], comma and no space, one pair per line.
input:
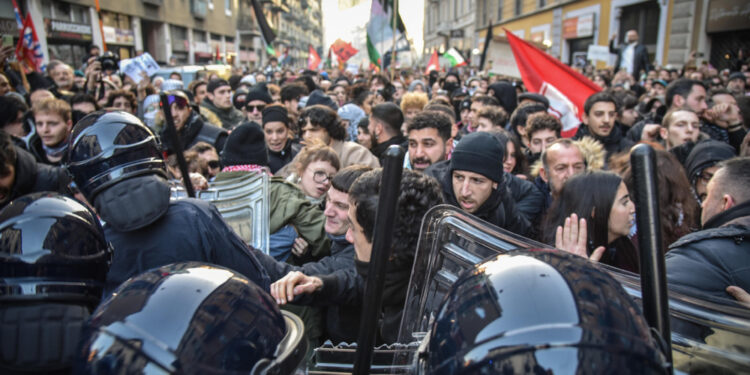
[67,30]
[727,15]
[578,27]
[230,47]
[8,26]
[457,33]
[114,35]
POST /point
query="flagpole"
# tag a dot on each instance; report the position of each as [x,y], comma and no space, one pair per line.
[101,25]
[393,47]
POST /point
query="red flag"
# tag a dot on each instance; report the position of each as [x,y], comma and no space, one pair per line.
[313,60]
[434,64]
[565,88]
[343,50]
[28,49]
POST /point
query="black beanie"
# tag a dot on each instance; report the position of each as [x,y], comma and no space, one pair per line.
[275,113]
[246,144]
[481,153]
[215,84]
[258,94]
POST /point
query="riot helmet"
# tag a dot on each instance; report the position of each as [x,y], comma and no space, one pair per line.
[53,265]
[191,318]
[539,311]
[52,247]
[117,163]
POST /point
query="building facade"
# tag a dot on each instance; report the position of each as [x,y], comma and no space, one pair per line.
[184,31]
[450,23]
[670,29]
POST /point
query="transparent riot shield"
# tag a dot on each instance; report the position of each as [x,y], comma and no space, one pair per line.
[708,336]
[243,203]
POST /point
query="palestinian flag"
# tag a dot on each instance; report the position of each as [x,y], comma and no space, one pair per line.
[454,57]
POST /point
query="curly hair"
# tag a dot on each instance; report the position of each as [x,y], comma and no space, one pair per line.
[542,121]
[326,118]
[496,115]
[412,100]
[128,95]
[417,194]
[431,119]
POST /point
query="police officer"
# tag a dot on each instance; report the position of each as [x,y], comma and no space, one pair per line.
[116,162]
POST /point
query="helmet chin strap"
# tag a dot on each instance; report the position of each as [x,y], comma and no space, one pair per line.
[115,204]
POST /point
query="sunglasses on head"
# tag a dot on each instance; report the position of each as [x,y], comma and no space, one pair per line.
[259,107]
[178,100]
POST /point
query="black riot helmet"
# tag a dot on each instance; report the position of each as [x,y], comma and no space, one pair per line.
[540,312]
[191,318]
[51,248]
[117,163]
[107,147]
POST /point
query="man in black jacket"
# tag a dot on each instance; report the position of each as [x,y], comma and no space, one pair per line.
[20,174]
[385,127]
[474,181]
[633,56]
[599,114]
[706,263]
[190,125]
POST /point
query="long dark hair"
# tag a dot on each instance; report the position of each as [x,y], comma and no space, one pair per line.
[591,196]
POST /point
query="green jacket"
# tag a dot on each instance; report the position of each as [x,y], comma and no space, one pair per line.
[288,205]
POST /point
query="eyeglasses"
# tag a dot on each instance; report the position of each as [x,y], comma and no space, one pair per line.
[321,177]
[213,164]
[178,100]
[259,107]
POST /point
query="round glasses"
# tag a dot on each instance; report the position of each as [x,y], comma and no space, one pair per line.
[321,177]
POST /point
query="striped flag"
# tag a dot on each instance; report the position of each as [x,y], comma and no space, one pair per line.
[28,50]
[434,63]
[19,18]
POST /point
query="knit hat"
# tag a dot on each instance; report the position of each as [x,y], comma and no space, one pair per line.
[248,79]
[258,94]
[215,84]
[539,98]
[318,97]
[172,84]
[736,75]
[275,113]
[246,144]
[505,93]
[481,153]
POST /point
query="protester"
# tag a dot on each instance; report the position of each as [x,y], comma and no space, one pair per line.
[592,218]
[21,174]
[706,263]
[561,160]
[385,127]
[314,167]
[53,121]
[417,194]
[281,147]
[429,139]
[632,57]
[190,125]
[542,129]
[702,164]
[473,180]
[599,113]
[218,100]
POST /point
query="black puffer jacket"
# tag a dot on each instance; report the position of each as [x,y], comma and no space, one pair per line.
[512,206]
[704,263]
[197,130]
[32,177]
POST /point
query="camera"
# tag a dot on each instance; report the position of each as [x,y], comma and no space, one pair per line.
[109,60]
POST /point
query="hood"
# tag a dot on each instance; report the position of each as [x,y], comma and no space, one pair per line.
[442,172]
[706,154]
[506,94]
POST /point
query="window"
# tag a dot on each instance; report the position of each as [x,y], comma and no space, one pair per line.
[500,9]
[228,7]
[542,3]
[519,7]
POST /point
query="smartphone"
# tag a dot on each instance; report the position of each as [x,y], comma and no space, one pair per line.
[699,54]
[7,40]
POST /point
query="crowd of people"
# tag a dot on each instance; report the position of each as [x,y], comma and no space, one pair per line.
[477,141]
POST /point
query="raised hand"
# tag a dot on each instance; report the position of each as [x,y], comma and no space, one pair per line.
[573,238]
